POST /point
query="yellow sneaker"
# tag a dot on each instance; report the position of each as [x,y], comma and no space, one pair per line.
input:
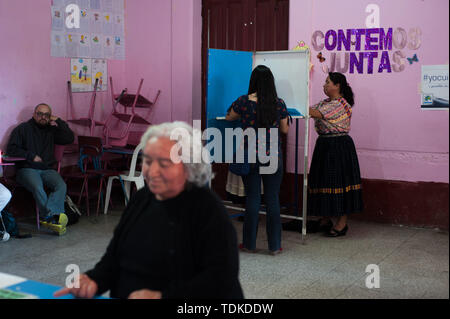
[56,228]
[63,219]
[57,223]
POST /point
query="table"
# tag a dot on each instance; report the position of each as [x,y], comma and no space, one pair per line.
[15,287]
[8,160]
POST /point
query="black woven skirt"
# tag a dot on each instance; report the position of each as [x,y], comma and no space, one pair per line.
[334,181]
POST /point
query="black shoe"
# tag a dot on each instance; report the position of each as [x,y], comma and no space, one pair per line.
[325,228]
[337,233]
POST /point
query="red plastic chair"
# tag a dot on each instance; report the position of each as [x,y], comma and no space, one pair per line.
[91,151]
[88,121]
[115,137]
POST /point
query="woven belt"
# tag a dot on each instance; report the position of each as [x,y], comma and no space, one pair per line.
[333,135]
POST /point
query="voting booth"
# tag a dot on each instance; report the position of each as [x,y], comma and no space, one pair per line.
[228,78]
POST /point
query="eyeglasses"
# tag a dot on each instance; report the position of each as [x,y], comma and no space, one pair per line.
[40,114]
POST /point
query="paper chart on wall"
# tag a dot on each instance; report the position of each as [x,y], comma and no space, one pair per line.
[100,72]
[434,87]
[100,20]
[81,75]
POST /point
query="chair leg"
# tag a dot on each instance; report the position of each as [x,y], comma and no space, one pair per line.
[87,196]
[127,191]
[81,192]
[37,216]
[100,190]
[108,194]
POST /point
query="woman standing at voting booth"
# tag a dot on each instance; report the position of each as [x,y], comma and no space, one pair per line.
[334,176]
[261,108]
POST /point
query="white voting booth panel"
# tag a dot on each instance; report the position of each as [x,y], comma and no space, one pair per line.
[291,72]
[228,77]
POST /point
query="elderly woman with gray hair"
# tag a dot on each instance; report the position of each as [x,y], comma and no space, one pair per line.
[175,239]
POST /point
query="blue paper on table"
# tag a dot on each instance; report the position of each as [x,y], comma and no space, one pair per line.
[294,112]
[40,290]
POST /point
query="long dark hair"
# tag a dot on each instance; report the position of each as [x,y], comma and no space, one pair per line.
[263,84]
[345,89]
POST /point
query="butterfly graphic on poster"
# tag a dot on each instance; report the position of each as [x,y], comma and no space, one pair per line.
[320,57]
[413,59]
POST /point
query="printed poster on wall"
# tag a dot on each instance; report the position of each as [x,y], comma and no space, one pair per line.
[434,88]
[99,71]
[83,73]
[98,31]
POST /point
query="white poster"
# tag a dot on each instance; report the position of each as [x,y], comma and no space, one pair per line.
[434,87]
[96,46]
[100,72]
[58,46]
[57,19]
[100,33]
[81,75]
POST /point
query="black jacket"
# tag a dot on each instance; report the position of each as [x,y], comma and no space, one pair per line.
[29,139]
[205,263]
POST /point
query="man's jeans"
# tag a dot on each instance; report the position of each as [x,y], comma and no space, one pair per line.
[34,181]
[252,184]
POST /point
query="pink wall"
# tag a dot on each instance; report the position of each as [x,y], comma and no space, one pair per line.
[394,138]
[29,75]
[163,46]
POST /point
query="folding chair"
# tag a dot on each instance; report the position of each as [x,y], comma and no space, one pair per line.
[88,121]
[114,137]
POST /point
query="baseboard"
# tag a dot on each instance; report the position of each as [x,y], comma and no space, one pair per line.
[416,204]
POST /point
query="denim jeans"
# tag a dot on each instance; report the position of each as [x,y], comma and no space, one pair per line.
[34,181]
[252,184]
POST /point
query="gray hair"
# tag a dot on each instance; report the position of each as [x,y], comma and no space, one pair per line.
[197,161]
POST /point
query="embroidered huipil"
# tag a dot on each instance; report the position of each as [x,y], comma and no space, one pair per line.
[336,113]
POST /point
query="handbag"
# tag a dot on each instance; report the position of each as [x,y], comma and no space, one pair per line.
[240,169]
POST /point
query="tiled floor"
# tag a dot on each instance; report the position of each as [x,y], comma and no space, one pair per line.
[412,263]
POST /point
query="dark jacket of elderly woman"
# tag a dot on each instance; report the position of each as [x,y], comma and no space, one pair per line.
[195,255]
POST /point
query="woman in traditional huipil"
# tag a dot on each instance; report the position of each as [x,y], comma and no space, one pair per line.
[334,176]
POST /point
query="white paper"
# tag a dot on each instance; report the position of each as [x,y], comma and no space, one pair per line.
[57,19]
[107,5]
[83,3]
[108,47]
[71,45]
[100,71]
[84,45]
[118,6]
[81,74]
[435,87]
[95,4]
[96,45]
[118,25]
[96,22]
[58,47]
[107,21]
[119,48]
[85,21]
[103,19]
[7,280]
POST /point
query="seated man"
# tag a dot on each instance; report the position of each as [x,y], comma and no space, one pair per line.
[34,140]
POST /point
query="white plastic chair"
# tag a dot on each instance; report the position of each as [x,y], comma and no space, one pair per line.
[132,176]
